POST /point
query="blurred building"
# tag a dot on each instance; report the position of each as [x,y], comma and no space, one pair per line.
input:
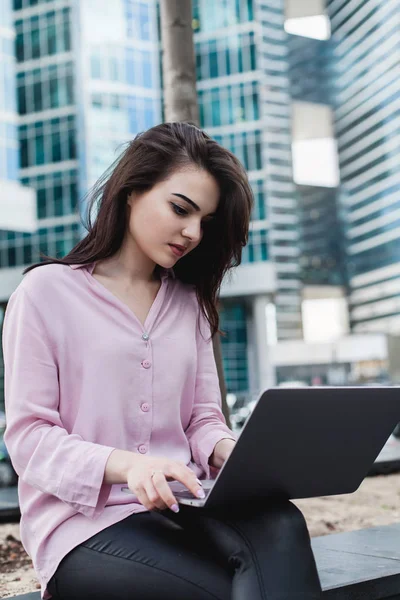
[17,203]
[88,79]
[355,359]
[243,84]
[322,258]
[348,83]
[321,230]
[366,102]
[82,91]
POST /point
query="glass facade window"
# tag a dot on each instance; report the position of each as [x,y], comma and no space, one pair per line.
[42,35]
[368,114]
[25,248]
[57,193]
[235,53]
[378,209]
[380,142]
[5,21]
[114,119]
[9,154]
[310,69]
[19,4]
[377,230]
[9,148]
[209,15]
[123,113]
[7,99]
[58,241]
[229,105]
[234,346]
[48,141]
[257,247]
[321,237]
[126,65]
[246,145]
[45,88]
[137,15]
[259,210]
[374,258]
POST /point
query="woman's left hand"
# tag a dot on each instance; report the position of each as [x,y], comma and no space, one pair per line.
[222,450]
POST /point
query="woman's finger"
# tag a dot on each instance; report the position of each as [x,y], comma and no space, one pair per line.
[164,491]
[153,494]
[188,478]
[143,498]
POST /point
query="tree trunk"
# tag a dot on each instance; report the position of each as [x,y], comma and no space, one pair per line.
[180,100]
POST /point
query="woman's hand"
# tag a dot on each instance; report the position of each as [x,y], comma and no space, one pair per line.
[222,450]
[147,479]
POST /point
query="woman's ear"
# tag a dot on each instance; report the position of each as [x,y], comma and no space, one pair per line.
[129,200]
[129,204]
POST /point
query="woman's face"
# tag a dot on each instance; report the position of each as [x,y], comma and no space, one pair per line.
[174,211]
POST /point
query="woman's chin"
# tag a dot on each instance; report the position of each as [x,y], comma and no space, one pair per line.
[167,263]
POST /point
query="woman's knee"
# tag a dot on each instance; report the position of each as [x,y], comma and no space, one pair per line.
[280,516]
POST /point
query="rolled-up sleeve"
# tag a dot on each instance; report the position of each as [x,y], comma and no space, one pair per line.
[207,426]
[44,454]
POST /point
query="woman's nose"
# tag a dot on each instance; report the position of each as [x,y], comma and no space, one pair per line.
[193,232]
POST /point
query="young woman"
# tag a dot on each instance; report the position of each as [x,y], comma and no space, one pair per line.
[110,379]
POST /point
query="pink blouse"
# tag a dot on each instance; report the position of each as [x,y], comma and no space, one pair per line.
[83,376]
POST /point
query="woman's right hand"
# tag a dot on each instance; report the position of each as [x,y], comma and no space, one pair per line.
[147,479]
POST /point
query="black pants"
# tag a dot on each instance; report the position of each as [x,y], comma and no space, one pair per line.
[262,553]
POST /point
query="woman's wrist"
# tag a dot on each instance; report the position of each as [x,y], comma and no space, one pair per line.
[117,467]
[222,450]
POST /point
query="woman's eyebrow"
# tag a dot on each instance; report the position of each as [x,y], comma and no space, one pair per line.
[189,201]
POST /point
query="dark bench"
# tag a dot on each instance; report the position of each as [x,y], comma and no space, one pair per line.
[356,565]
[360,565]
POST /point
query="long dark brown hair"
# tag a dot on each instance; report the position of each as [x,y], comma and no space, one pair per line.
[153,156]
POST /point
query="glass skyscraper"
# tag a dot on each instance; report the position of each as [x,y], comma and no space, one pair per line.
[17,203]
[82,91]
[47,125]
[366,51]
[243,91]
[321,230]
[9,155]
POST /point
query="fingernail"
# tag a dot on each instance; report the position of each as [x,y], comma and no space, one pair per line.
[201,494]
[175,508]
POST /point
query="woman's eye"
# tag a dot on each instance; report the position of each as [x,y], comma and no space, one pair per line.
[179,210]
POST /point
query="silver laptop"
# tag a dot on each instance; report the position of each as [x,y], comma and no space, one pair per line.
[303,443]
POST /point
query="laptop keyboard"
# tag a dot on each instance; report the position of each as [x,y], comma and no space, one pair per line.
[190,496]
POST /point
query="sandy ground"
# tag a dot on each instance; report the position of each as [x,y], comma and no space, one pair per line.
[376,502]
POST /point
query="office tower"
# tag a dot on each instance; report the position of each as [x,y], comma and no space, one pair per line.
[366,100]
[82,91]
[321,241]
[8,113]
[87,81]
[322,259]
[243,86]
[17,203]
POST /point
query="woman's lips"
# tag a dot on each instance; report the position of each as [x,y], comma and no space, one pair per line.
[175,250]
